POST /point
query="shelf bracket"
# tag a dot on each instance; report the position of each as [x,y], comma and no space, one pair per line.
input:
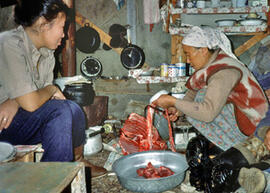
[248,44]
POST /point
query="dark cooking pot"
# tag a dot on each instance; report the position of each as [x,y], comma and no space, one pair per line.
[81,93]
[87,39]
[132,57]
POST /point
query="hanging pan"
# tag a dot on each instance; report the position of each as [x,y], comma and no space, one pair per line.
[87,39]
[132,56]
[91,68]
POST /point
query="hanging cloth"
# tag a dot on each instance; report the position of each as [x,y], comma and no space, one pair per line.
[119,3]
[151,12]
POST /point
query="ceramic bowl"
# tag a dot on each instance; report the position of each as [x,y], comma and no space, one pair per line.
[225,22]
[251,22]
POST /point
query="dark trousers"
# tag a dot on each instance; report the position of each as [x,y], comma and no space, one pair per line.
[58,124]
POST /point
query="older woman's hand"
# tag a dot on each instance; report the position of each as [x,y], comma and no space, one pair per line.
[173,113]
[165,101]
[267,92]
[267,139]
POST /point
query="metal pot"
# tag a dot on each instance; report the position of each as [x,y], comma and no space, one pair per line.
[132,57]
[81,93]
[126,170]
[93,141]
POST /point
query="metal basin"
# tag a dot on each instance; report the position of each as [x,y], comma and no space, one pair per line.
[126,167]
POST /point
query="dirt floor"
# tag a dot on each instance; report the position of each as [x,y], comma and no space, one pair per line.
[110,184]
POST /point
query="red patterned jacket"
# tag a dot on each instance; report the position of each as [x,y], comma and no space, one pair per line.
[250,103]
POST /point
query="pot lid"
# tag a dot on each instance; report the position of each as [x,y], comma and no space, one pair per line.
[91,67]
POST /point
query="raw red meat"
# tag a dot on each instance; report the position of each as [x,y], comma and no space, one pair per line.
[151,172]
[138,134]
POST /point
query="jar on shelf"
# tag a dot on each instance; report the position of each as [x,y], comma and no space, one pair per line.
[180,4]
[172,70]
[164,69]
[188,4]
[201,4]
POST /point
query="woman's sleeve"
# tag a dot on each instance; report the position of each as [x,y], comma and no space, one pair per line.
[218,89]
[16,78]
[190,95]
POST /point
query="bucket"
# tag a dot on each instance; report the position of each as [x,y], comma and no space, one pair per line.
[93,143]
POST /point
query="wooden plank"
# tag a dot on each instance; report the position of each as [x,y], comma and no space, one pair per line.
[78,185]
[104,37]
[176,49]
[248,44]
[130,87]
[49,177]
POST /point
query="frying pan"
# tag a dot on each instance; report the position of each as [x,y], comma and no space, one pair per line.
[132,56]
[87,39]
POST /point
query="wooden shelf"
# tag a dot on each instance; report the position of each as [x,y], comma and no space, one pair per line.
[233,30]
[160,79]
[169,14]
[219,10]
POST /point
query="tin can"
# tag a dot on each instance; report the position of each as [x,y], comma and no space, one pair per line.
[163,69]
[181,68]
[172,71]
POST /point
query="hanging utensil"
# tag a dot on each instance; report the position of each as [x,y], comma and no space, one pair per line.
[87,39]
[132,56]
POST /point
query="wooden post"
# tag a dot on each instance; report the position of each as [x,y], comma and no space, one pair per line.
[248,44]
[69,51]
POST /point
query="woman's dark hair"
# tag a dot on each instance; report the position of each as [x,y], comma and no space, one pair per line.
[28,11]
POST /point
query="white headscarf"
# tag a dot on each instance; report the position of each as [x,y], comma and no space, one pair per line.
[210,38]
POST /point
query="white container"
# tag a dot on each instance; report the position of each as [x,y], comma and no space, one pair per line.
[164,69]
[181,68]
[93,144]
[215,3]
[251,22]
[178,95]
[241,3]
[225,22]
[172,71]
[234,3]
[157,95]
[200,4]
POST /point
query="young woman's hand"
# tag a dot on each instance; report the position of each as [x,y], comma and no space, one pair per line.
[58,95]
[8,110]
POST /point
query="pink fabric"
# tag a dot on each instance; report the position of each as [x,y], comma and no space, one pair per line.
[151,11]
